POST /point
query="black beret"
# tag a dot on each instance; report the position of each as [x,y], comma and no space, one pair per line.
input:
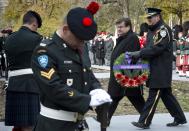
[152,12]
[81,21]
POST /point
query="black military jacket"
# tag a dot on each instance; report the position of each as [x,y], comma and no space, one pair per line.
[159,51]
[19,48]
[64,76]
[129,42]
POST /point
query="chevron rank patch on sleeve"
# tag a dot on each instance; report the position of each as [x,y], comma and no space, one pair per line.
[71,93]
[48,74]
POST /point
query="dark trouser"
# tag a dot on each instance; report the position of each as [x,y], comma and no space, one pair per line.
[137,101]
[169,101]
[100,61]
[94,57]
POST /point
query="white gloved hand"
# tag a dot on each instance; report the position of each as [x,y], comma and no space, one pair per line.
[103,95]
[99,97]
[97,91]
[96,101]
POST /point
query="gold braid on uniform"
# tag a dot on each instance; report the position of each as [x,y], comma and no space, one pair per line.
[157,95]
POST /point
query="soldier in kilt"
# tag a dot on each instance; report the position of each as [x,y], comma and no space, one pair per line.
[186,48]
[180,57]
[22,98]
[177,34]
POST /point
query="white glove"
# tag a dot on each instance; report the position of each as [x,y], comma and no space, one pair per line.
[103,95]
[98,91]
[99,97]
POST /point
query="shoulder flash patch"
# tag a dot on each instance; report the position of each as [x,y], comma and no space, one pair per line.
[163,33]
[43,60]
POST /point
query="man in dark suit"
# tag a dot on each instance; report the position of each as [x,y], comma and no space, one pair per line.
[22,96]
[127,41]
[100,50]
[68,87]
[159,52]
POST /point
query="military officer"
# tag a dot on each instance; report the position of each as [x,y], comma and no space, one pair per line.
[22,96]
[68,87]
[159,52]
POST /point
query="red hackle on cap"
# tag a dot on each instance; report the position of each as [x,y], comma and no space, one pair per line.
[93,7]
[87,21]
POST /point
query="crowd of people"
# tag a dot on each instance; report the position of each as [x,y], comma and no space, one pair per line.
[100,49]
[51,85]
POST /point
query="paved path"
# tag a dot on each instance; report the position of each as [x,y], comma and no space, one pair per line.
[123,123]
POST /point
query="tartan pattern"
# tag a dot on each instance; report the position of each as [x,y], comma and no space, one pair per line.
[21,109]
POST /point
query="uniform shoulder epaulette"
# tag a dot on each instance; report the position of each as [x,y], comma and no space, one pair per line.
[45,42]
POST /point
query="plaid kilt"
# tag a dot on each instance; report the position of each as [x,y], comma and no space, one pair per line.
[22,109]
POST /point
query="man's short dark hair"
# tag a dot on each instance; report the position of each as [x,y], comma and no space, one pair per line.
[127,21]
[143,28]
[31,16]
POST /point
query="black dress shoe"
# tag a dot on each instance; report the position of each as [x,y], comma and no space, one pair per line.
[141,125]
[176,123]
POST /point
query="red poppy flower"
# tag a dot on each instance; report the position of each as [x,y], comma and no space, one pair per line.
[144,77]
[135,78]
[126,78]
[131,82]
[123,82]
[118,76]
[139,82]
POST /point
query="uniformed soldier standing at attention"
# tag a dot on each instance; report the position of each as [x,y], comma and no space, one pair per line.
[68,87]
[159,52]
[22,96]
